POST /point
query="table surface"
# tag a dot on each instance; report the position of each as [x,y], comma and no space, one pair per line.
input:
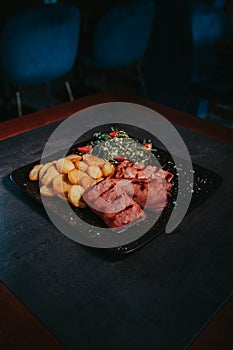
[217,333]
[161,295]
[19,328]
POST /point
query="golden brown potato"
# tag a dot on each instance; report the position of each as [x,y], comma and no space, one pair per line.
[64,165]
[81,165]
[61,184]
[34,173]
[74,157]
[93,160]
[108,169]
[47,191]
[94,171]
[50,174]
[86,182]
[74,194]
[75,175]
[44,168]
[69,177]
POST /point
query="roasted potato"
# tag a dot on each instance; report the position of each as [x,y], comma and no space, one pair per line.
[75,175]
[107,169]
[94,171]
[61,184]
[34,173]
[64,165]
[44,168]
[74,157]
[74,194]
[70,176]
[50,174]
[47,191]
[81,165]
[86,181]
[93,160]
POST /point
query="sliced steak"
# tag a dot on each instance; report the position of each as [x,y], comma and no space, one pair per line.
[150,195]
[149,184]
[113,204]
[130,170]
[120,201]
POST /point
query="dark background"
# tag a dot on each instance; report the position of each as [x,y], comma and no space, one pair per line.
[167,64]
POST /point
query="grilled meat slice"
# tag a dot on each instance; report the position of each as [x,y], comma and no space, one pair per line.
[150,195]
[130,170]
[113,204]
[149,184]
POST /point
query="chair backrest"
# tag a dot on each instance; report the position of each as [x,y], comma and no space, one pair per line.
[40,44]
[209,25]
[122,35]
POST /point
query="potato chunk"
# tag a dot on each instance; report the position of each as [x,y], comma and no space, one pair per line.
[75,176]
[94,171]
[74,194]
[61,184]
[47,191]
[50,174]
[64,165]
[74,157]
[44,168]
[107,169]
[86,182]
[34,173]
[93,160]
[81,165]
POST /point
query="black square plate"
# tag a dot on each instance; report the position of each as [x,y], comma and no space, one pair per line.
[205,183]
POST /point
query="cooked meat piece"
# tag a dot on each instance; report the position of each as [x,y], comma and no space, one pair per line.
[113,204]
[126,185]
[158,174]
[96,192]
[131,173]
[114,201]
[130,170]
[138,166]
[141,175]
[120,201]
[150,195]
[128,216]
[122,166]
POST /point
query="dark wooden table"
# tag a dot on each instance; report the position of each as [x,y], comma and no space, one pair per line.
[217,332]
[161,296]
[19,329]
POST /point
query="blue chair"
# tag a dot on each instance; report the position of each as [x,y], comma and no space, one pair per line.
[121,37]
[39,45]
[211,70]
[209,24]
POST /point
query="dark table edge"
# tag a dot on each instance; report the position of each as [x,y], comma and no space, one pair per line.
[15,126]
[26,316]
[212,324]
